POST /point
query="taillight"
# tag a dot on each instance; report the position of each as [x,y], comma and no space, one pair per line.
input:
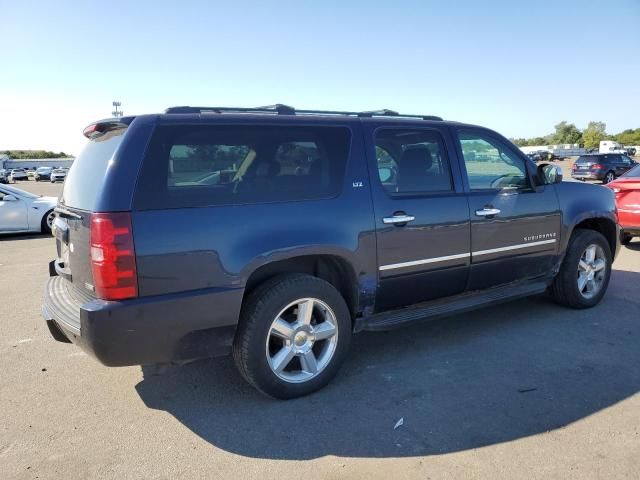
[596,166]
[113,258]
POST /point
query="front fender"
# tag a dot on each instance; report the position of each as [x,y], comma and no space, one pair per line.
[581,203]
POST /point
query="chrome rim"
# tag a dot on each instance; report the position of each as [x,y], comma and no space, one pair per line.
[302,340]
[591,271]
[610,177]
[50,218]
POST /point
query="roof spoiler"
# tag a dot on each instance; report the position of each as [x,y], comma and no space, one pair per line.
[99,128]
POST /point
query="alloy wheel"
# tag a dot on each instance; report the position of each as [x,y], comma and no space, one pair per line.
[50,217]
[591,271]
[302,340]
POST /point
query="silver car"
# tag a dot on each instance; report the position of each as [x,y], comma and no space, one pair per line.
[22,211]
[18,174]
[58,175]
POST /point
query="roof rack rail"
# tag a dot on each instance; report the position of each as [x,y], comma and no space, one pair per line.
[281,109]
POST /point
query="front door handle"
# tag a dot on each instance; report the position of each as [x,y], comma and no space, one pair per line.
[487,212]
[398,219]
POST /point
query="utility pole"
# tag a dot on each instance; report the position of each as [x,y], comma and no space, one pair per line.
[117,113]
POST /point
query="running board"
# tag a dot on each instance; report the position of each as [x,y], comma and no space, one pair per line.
[441,308]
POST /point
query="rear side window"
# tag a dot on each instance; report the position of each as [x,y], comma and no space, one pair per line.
[196,166]
[82,185]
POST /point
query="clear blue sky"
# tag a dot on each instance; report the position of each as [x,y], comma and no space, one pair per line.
[518,67]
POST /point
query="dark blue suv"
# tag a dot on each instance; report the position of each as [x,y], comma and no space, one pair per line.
[277,233]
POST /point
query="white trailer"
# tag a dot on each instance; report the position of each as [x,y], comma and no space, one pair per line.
[609,146]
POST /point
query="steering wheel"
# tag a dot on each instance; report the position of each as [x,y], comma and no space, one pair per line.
[495,183]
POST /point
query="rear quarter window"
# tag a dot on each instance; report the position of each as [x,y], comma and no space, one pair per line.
[197,166]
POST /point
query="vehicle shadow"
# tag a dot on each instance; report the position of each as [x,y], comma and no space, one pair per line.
[473,380]
[23,236]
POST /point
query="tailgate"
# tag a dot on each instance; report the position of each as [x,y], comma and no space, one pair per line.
[72,230]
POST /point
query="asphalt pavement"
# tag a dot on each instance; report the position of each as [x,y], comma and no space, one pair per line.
[523,390]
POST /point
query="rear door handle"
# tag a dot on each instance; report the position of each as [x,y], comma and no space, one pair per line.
[397,219]
[487,212]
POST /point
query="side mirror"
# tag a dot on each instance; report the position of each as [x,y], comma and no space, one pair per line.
[9,198]
[549,174]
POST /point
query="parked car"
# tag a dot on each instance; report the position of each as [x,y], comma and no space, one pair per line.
[627,191]
[542,156]
[325,224]
[43,173]
[22,211]
[58,175]
[604,167]
[4,176]
[18,174]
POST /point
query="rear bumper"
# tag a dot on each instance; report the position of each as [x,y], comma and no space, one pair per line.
[587,175]
[159,329]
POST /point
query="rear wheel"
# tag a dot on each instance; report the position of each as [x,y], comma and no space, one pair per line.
[585,272]
[609,177]
[626,239]
[293,335]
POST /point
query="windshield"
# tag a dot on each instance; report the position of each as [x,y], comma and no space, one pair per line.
[18,192]
[43,169]
[633,173]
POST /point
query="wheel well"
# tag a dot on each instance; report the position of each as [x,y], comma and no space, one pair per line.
[603,225]
[330,268]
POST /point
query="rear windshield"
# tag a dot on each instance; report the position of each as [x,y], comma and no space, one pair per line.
[84,179]
[633,173]
[197,166]
[587,159]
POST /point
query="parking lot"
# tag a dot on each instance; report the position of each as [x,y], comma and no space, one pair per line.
[523,390]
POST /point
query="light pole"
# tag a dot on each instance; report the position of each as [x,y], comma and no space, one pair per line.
[117,113]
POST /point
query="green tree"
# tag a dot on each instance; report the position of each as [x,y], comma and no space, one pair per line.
[566,133]
[593,134]
[628,137]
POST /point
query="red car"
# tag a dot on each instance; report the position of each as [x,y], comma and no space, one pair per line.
[627,190]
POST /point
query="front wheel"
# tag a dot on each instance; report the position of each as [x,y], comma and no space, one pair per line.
[626,239]
[293,335]
[47,221]
[585,272]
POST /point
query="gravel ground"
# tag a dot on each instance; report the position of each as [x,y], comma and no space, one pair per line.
[523,390]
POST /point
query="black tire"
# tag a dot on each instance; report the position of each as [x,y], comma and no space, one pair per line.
[258,312]
[626,239]
[44,227]
[564,288]
[609,177]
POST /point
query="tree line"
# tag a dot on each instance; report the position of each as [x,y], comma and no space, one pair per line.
[590,137]
[32,154]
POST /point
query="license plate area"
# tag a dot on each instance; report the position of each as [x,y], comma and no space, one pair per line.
[61,232]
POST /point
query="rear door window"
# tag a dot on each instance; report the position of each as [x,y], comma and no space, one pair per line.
[191,166]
